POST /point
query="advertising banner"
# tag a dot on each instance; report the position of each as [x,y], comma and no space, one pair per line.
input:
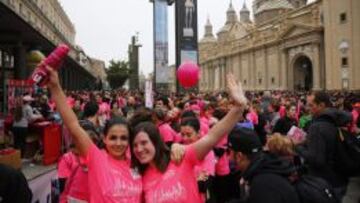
[186,24]
[186,32]
[161,41]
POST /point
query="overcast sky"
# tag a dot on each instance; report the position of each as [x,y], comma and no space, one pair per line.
[104,27]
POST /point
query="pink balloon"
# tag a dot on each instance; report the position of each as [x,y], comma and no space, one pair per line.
[188,74]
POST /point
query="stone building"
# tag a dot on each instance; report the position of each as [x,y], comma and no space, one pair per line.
[289,45]
[172,78]
[48,17]
[98,70]
[28,25]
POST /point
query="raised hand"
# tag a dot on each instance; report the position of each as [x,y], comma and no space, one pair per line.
[236,91]
[177,153]
[53,78]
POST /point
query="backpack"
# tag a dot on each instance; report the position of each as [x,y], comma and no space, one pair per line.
[347,156]
[311,189]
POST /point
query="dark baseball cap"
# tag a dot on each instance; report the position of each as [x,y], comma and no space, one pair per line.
[244,140]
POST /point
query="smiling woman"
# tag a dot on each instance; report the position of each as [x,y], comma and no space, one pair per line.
[116,138]
[163,180]
[112,179]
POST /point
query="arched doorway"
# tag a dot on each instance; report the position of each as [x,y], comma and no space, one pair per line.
[303,73]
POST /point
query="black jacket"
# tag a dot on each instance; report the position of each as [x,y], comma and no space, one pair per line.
[267,177]
[13,186]
[260,128]
[283,125]
[320,147]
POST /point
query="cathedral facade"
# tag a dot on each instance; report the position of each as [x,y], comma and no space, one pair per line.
[287,45]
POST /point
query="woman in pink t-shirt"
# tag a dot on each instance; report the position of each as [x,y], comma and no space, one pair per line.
[205,170]
[168,134]
[163,180]
[73,173]
[75,177]
[111,178]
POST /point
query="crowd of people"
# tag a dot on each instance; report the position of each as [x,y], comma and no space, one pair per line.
[254,147]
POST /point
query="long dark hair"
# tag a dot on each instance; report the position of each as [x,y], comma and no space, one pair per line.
[109,124]
[115,121]
[192,122]
[18,111]
[162,152]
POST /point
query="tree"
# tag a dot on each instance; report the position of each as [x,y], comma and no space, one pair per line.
[117,73]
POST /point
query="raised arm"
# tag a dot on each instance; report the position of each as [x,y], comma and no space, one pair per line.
[80,137]
[225,125]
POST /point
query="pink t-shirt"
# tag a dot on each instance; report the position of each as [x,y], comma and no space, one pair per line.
[70,101]
[112,180]
[178,138]
[282,111]
[77,178]
[178,183]
[166,132]
[205,121]
[204,128]
[223,142]
[355,117]
[222,167]
[104,109]
[207,165]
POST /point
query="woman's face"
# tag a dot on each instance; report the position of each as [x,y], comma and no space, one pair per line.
[144,149]
[173,114]
[117,141]
[292,112]
[189,134]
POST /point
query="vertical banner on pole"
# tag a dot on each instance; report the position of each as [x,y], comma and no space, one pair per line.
[186,32]
[161,42]
[149,102]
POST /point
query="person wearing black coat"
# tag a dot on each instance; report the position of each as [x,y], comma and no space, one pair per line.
[265,177]
[319,148]
[13,186]
[283,125]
